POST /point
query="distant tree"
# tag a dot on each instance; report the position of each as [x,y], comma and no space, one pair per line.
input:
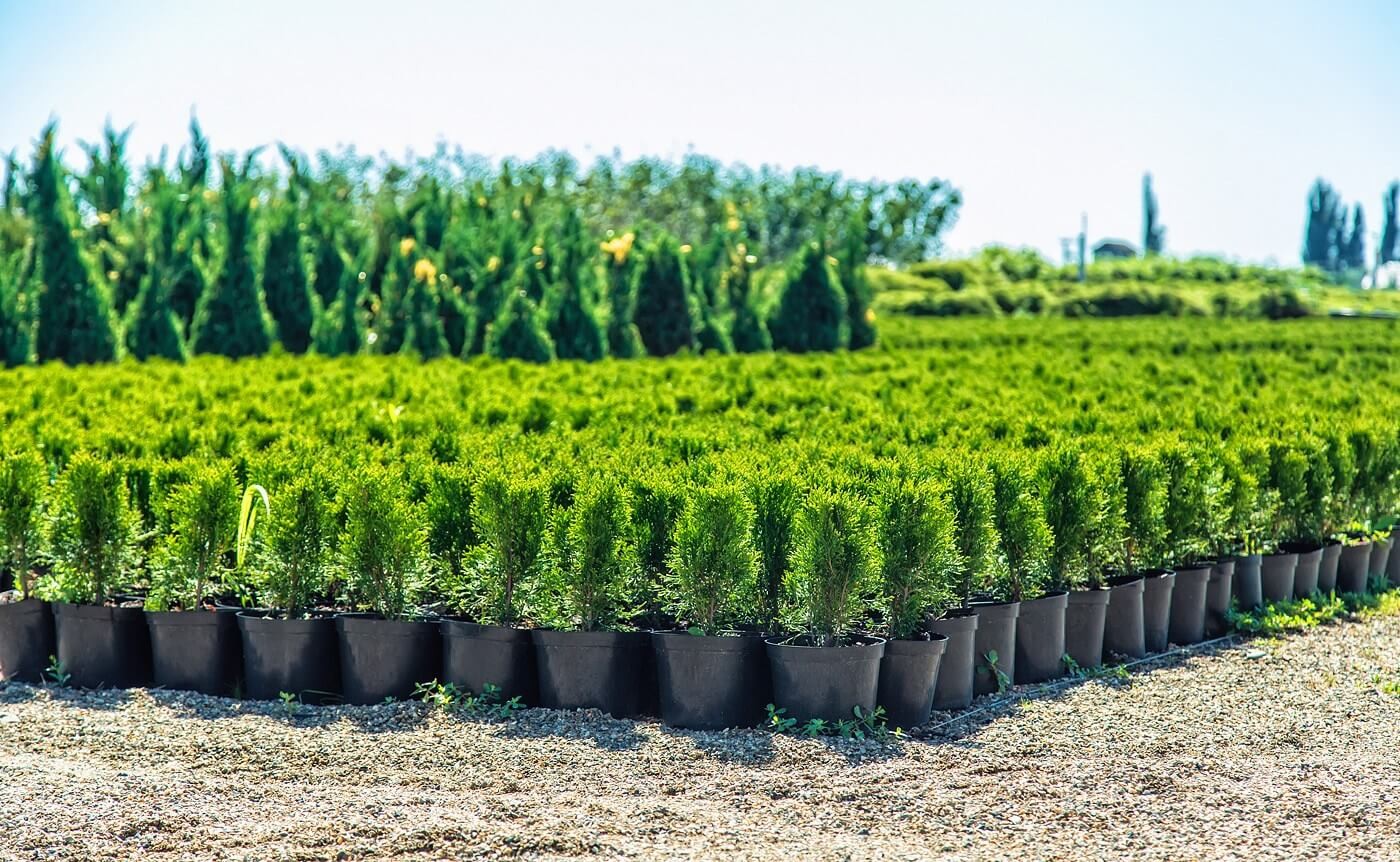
[423,331]
[1390,231]
[75,312]
[232,319]
[286,285]
[340,330]
[191,282]
[153,329]
[623,338]
[1326,222]
[748,331]
[1154,235]
[1351,252]
[812,311]
[573,322]
[16,309]
[850,267]
[666,314]
[518,333]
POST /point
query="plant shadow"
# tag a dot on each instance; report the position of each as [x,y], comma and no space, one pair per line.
[601,729]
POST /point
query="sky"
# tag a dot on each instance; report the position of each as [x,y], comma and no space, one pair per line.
[1037,112]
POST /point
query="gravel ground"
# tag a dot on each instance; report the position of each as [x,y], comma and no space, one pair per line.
[1259,750]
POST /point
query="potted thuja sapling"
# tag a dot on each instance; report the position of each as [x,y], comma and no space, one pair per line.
[1189,476]
[1307,517]
[1139,601]
[1230,504]
[26,622]
[388,646]
[291,648]
[1342,462]
[1374,453]
[588,658]
[1288,477]
[825,670]
[970,495]
[92,538]
[193,646]
[485,643]
[918,562]
[713,672]
[1079,516]
[1252,487]
[1022,576]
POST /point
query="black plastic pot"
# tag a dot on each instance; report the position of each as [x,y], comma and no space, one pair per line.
[1392,566]
[382,659]
[102,647]
[195,651]
[1327,567]
[1040,638]
[908,678]
[1157,609]
[26,640]
[1248,587]
[299,657]
[1381,552]
[996,633]
[953,688]
[1085,616]
[1218,594]
[1122,630]
[608,671]
[475,656]
[1309,564]
[825,682]
[1276,574]
[711,683]
[1187,622]
[1352,568]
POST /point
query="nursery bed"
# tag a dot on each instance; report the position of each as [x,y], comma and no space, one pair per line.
[1262,749]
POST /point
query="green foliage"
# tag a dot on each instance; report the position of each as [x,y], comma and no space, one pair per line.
[383,549]
[573,322]
[748,331]
[1144,510]
[286,282]
[1185,511]
[1073,506]
[713,561]
[511,514]
[451,523]
[851,257]
[916,530]
[201,524]
[973,498]
[665,311]
[836,556]
[23,480]
[1023,572]
[17,291]
[91,534]
[231,318]
[590,560]
[519,333]
[775,498]
[153,328]
[655,505]
[300,541]
[811,312]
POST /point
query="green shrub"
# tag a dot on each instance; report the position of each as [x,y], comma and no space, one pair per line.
[750,333]
[519,333]
[1144,510]
[201,522]
[300,540]
[774,498]
[713,562]
[1071,507]
[383,549]
[836,556]
[664,310]
[655,506]
[811,311]
[851,257]
[573,321]
[451,525]
[92,533]
[23,479]
[1023,572]
[972,496]
[1185,511]
[286,284]
[510,512]
[590,561]
[918,552]
[231,318]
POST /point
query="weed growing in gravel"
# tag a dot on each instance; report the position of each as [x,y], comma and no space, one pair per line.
[1389,686]
[1103,671]
[289,703]
[490,704]
[1288,616]
[56,674]
[991,665]
[862,725]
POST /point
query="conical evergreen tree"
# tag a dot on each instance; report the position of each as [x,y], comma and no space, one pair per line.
[665,311]
[340,330]
[860,317]
[191,282]
[518,332]
[492,276]
[623,338]
[75,322]
[153,329]
[16,313]
[748,331]
[422,313]
[232,319]
[286,287]
[812,310]
[573,323]
[391,315]
[112,239]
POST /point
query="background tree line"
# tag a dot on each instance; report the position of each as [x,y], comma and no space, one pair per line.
[1337,244]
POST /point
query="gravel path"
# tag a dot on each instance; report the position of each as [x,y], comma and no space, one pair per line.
[1262,750]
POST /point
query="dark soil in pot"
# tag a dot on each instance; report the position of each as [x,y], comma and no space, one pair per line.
[609,671]
[300,657]
[1040,638]
[996,633]
[1309,564]
[908,678]
[1352,568]
[712,682]
[1248,588]
[1187,622]
[1381,552]
[103,647]
[1276,575]
[382,658]
[26,640]
[1122,631]
[953,688]
[195,651]
[475,656]
[1327,567]
[1085,618]
[1218,594]
[825,682]
[1157,609]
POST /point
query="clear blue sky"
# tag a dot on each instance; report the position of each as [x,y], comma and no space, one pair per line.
[1037,111]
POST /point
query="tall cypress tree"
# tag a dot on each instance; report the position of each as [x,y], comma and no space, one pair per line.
[1353,249]
[812,310]
[1326,222]
[573,322]
[666,314]
[423,333]
[1389,248]
[153,329]
[1153,234]
[286,287]
[623,338]
[16,312]
[518,333]
[492,276]
[75,313]
[340,330]
[232,319]
[749,333]
[860,317]
[191,282]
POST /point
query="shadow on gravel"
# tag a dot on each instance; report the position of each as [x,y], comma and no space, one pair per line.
[584,724]
[97,698]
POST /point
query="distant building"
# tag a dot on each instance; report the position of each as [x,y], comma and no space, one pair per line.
[1112,249]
